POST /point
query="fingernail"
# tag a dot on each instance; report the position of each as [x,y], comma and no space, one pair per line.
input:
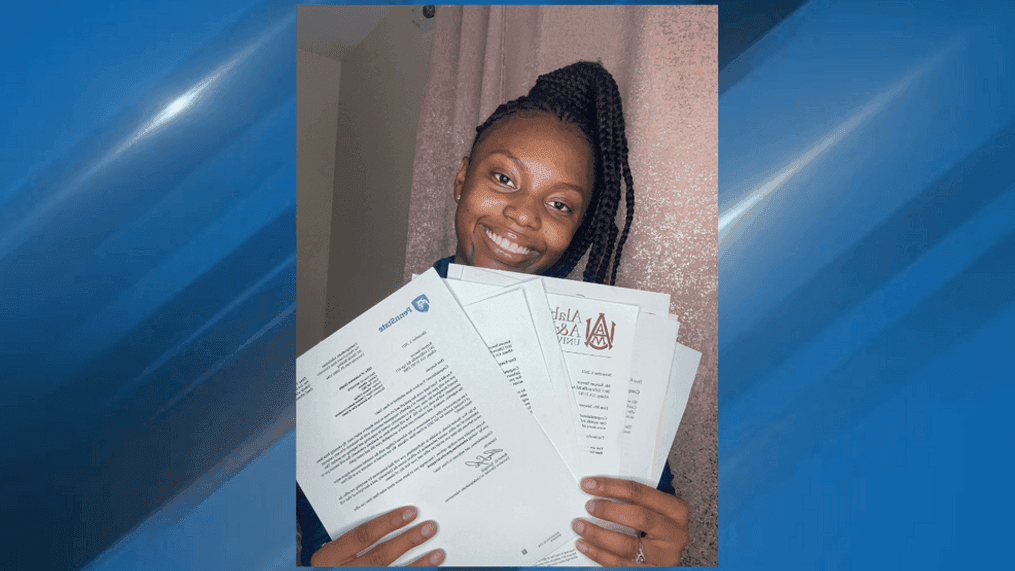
[589,484]
[429,529]
[578,526]
[582,546]
[590,506]
[400,518]
[436,558]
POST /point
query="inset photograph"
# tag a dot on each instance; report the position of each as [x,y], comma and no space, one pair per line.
[507,285]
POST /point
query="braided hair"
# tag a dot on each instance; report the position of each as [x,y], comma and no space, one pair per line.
[585,95]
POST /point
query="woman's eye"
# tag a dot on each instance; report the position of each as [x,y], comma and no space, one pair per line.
[503,179]
[558,205]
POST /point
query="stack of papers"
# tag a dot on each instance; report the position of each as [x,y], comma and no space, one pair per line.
[482,399]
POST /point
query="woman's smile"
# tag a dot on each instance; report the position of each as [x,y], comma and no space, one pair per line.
[506,244]
[495,250]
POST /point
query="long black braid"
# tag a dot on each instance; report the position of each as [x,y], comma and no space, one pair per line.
[584,94]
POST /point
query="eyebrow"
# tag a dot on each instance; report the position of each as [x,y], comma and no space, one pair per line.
[521,166]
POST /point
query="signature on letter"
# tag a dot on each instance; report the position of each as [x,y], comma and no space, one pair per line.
[484,459]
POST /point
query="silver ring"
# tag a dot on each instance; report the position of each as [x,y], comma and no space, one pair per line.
[640,556]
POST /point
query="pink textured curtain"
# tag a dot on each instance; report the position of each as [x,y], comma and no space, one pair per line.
[664,59]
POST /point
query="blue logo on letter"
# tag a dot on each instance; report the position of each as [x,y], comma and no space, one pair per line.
[421,303]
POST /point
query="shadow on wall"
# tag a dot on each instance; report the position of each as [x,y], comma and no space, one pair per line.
[358,108]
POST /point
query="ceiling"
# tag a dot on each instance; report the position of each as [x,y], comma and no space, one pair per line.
[333,31]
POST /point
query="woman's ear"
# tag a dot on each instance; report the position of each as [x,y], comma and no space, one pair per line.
[460,179]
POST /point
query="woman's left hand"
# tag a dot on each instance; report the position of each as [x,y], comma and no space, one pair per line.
[661,516]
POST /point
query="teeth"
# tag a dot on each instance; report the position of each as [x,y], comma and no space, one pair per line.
[507,244]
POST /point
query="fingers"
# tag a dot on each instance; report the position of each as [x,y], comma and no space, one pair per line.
[612,546]
[635,517]
[370,532]
[603,557]
[661,516]
[621,544]
[345,548]
[638,494]
[432,559]
[386,553]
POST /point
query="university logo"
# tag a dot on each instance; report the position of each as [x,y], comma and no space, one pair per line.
[421,303]
[598,336]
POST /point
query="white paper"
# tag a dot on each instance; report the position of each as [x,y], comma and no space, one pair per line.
[682,372]
[652,302]
[540,312]
[398,408]
[597,339]
[650,374]
[504,322]
[567,556]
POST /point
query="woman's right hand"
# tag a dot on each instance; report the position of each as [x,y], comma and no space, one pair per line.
[343,551]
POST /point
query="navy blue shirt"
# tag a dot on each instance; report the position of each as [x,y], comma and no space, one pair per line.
[314,534]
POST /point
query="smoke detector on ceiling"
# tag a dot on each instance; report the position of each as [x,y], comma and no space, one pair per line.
[423,16]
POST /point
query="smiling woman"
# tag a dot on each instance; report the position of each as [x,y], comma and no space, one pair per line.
[541,184]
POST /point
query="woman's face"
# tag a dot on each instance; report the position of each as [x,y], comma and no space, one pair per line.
[523,195]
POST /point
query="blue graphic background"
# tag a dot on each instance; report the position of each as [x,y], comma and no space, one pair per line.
[147,295]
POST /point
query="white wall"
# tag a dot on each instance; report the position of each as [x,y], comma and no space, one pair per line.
[317,89]
[379,102]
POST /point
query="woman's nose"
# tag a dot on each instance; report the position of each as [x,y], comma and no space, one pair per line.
[524,212]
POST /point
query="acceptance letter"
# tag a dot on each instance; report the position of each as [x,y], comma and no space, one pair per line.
[406,406]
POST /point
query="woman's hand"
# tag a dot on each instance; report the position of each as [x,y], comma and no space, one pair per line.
[661,516]
[347,550]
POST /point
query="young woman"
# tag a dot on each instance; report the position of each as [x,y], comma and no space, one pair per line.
[540,187]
